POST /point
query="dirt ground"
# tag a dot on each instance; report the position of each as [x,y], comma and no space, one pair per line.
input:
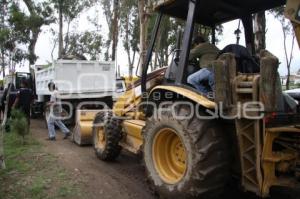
[123,178]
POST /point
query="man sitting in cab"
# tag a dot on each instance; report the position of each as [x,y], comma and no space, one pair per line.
[205,52]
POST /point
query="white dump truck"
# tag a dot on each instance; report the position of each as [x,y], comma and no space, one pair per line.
[80,84]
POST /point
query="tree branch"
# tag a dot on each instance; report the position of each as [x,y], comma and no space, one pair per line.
[30,6]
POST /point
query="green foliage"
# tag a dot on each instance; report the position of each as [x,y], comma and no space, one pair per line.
[7,43]
[279,14]
[112,10]
[33,173]
[287,30]
[19,124]
[23,27]
[87,44]
[68,11]
[72,8]
[130,30]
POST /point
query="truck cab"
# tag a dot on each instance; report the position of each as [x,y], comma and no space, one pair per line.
[17,78]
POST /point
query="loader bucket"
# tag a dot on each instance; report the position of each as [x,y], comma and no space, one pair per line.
[83,131]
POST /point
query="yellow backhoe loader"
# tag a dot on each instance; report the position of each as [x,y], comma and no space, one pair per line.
[193,145]
[82,132]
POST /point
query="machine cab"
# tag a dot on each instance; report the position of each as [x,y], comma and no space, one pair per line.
[209,14]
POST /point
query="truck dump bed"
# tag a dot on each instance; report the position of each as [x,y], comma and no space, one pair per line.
[77,79]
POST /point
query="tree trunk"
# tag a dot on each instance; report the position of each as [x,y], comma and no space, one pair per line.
[67,39]
[106,6]
[143,27]
[130,63]
[288,58]
[2,130]
[34,32]
[3,64]
[31,48]
[260,31]
[115,28]
[3,14]
[156,61]
[158,49]
[166,57]
[60,39]
[288,79]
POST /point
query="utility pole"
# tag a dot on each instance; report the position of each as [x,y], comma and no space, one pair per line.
[238,32]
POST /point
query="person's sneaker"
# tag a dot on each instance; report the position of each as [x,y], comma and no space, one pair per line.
[51,139]
[67,135]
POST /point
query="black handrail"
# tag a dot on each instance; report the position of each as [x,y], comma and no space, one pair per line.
[149,53]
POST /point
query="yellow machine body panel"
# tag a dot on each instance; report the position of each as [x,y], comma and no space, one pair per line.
[133,139]
[188,94]
[134,128]
[130,80]
[83,130]
[126,102]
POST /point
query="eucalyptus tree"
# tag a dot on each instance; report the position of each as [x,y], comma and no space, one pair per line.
[287,30]
[67,11]
[129,21]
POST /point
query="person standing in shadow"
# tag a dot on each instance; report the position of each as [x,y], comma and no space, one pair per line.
[24,99]
[8,100]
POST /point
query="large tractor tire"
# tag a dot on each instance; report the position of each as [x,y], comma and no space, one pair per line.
[186,158]
[107,133]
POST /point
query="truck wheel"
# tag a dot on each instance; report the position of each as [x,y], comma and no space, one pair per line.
[186,158]
[33,115]
[66,112]
[106,136]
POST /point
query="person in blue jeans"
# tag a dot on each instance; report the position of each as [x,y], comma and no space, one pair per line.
[55,115]
[204,79]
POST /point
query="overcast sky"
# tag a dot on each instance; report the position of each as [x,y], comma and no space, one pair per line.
[274,41]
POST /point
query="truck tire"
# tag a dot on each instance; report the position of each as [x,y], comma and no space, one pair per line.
[69,122]
[33,115]
[107,132]
[186,158]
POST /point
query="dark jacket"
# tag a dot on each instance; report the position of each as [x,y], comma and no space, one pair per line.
[245,62]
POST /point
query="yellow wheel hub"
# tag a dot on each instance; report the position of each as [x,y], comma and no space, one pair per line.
[100,138]
[169,156]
